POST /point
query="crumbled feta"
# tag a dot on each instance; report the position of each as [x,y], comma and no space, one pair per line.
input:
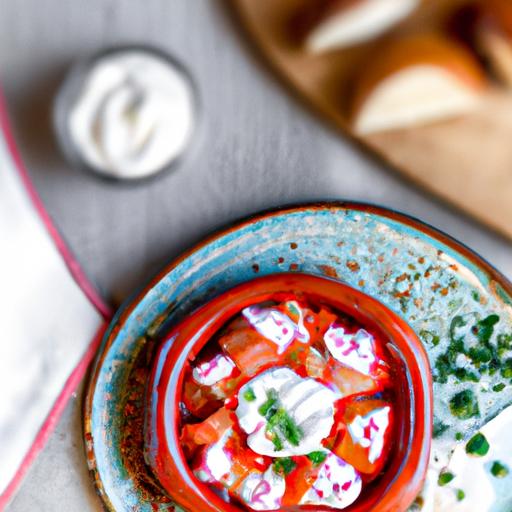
[354,350]
[276,326]
[338,485]
[211,372]
[369,430]
[216,462]
[263,491]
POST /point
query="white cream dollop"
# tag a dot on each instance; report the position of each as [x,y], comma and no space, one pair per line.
[308,403]
[133,116]
[338,484]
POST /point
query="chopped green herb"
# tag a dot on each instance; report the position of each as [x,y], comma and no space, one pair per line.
[499,470]
[276,441]
[443,368]
[460,494]
[269,408]
[465,375]
[484,328]
[477,445]
[439,428]
[499,387]
[292,308]
[459,436]
[457,323]
[445,478]
[317,457]
[464,405]
[506,369]
[249,395]
[480,354]
[282,422]
[475,295]
[504,344]
[284,466]
[430,338]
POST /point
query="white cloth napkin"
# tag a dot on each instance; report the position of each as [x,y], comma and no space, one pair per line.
[47,323]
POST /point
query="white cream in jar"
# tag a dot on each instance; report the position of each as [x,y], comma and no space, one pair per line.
[133,115]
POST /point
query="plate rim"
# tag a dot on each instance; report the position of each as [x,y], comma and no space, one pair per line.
[135,298]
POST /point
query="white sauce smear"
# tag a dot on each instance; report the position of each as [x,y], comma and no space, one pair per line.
[483,492]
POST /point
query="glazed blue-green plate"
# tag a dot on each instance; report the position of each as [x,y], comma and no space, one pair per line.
[441,288]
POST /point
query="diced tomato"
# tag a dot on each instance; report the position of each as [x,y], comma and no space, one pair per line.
[244,459]
[354,453]
[202,400]
[317,324]
[316,364]
[299,481]
[207,432]
[350,381]
[248,349]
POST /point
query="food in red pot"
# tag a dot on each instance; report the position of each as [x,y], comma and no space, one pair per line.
[290,404]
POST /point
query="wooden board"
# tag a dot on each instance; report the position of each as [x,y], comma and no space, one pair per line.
[466,161]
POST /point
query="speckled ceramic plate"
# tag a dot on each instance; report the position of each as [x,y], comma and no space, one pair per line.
[440,287]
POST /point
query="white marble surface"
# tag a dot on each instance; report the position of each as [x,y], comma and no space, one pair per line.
[257,148]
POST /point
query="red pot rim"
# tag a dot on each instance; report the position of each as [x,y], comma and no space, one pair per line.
[400,484]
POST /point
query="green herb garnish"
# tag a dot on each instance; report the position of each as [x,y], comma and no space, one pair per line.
[477,445]
[504,344]
[292,308]
[460,494]
[276,441]
[459,436]
[249,395]
[317,457]
[284,466]
[484,328]
[480,354]
[282,422]
[499,470]
[464,405]
[445,478]
[465,375]
[458,322]
[506,369]
[499,387]
[439,428]
[268,408]
[430,337]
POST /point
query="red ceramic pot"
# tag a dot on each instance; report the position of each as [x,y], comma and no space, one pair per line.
[393,491]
